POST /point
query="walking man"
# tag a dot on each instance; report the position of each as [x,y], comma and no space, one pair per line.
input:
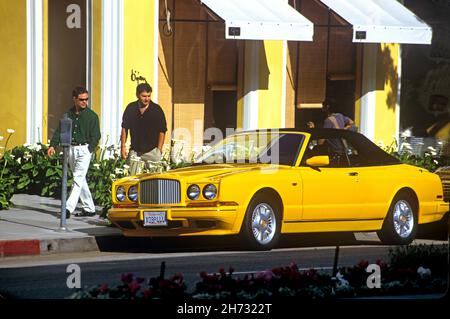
[147,125]
[85,137]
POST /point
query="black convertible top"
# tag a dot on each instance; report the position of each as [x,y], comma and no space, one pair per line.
[373,153]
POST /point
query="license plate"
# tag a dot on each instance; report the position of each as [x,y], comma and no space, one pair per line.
[155,219]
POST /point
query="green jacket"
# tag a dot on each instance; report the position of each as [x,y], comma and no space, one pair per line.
[85,128]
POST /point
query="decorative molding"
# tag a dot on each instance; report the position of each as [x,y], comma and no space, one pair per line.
[112,70]
[35,68]
[368,100]
[251,86]
[399,87]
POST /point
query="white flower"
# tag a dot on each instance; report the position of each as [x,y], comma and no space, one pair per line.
[96,165]
[406,133]
[19,160]
[1,138]
[424,272]
[118,171]
[26,145]
[12,156]
[35,147]
[10,131]
[125,166]
[27,155]
[407,146]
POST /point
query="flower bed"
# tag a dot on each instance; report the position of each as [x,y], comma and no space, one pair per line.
[28,169]
[401,275]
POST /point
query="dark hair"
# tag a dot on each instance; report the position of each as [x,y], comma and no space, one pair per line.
[143,87]
[329,105]
[79,90]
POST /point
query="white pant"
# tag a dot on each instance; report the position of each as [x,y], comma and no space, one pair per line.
[79,160]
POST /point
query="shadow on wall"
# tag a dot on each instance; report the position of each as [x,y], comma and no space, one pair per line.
[390,79]
[255,62]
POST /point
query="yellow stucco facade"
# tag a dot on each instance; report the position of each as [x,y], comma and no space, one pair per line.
[270,99]
[13,70]
[148,53]
[139,37]
[386,95]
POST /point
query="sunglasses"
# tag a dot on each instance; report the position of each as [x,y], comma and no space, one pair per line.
[83,100]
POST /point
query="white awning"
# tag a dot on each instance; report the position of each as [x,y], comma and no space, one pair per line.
[377,21]
[261,20]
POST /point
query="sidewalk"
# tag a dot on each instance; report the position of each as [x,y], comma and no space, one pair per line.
[31,227]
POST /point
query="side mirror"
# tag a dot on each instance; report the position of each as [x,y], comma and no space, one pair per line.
[318,161]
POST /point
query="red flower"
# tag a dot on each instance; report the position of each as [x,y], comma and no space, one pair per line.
[104,288]
[127,278]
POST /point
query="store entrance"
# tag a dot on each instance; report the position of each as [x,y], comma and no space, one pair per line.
[224,110]
[66,55]
[343,93]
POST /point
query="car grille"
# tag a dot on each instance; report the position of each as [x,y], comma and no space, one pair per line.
[160,191]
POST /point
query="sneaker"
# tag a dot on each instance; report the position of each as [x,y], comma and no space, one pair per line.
[84,213]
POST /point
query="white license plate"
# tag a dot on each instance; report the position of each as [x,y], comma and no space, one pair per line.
[155,219]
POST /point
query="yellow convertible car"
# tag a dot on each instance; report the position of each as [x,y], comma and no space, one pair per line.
[260,184]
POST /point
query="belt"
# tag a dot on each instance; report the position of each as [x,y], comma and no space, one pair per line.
[78,144]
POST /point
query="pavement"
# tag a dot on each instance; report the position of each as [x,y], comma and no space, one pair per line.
[32,227]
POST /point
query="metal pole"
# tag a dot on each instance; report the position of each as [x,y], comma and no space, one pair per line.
[63,225]
[335,264]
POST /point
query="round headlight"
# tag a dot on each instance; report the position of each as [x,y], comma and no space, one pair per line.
[120,193]
[133,193]
[193,192]
[209,191]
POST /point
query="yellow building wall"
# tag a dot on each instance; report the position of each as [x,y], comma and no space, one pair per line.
[270,88]
[139,36]
[386,94]
[96,90]
[13,70]
[270,98]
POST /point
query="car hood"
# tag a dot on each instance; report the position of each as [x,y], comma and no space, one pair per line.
[200,172]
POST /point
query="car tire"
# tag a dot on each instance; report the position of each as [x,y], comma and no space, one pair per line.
[401,223]
[262,223]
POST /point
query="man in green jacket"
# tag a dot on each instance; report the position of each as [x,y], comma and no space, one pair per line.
[85,137]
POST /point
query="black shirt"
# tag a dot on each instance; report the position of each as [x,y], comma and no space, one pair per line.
[144,128]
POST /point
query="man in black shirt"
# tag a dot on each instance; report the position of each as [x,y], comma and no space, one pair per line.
[147,125]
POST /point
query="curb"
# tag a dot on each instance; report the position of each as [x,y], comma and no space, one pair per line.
[10,248]
[14,248]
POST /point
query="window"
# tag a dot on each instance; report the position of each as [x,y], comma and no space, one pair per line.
[332,147]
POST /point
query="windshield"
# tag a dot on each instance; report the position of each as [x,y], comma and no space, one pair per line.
[256,147]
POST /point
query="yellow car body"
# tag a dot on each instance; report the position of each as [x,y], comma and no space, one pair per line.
[310,195]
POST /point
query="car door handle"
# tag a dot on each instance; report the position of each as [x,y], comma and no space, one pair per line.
[353,174]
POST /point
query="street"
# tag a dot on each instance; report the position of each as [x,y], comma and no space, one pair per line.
[45,276]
